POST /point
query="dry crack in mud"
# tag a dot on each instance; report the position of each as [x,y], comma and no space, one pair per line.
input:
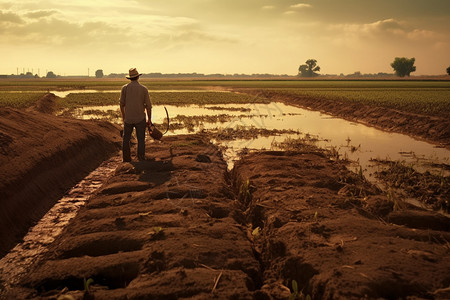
[179,227]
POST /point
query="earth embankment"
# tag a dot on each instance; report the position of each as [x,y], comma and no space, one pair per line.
[430,128]
[41,157]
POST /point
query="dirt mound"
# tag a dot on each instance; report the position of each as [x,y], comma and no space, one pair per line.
[41,156]
[46,104]
[430,128]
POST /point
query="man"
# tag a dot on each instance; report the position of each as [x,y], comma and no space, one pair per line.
[134,101]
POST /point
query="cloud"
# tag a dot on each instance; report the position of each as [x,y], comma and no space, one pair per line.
[422,34]
[9,17]
[47,28]
[301,5]
[268,7]
[290,12]
[383,28]
[55,32]
[40,14]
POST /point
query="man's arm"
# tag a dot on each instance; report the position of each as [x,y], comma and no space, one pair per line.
[149,115]
[122,101]
[122,110]
[148,107]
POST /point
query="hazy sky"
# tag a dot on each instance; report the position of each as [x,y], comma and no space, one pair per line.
[222,36]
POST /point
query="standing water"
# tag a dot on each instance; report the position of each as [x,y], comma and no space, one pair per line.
[357,142]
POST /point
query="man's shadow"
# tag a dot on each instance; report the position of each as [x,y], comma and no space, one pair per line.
[154,171]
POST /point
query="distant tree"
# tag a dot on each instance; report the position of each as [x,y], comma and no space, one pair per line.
[403,66]
[50,74]
[99,74]
[309,69]
[448,70]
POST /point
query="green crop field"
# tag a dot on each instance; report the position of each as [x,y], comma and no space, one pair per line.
[19,99]
[157,98]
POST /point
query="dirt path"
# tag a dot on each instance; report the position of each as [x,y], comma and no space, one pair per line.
[42,156]
[180,226]
[433,129]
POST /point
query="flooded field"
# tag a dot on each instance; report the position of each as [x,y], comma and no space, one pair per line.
[237,129]
[242,128]
[358,143]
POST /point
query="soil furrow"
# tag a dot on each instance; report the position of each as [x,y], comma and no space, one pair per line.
[164,228]
[330,231]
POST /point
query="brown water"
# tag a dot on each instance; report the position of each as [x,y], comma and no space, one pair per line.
[357,142]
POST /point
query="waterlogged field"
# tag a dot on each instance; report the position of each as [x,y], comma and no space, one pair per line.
[428,101]
[421,97]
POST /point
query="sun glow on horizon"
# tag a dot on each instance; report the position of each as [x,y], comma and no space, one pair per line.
[210,36]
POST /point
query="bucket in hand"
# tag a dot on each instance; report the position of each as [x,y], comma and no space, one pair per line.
[154,132]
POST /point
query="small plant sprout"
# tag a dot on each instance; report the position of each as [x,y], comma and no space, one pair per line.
[360,173]
[315,217]
[157,229]
[256,232]
[294,294]
[87,284]
[157,233]
[348,140]
[244,192]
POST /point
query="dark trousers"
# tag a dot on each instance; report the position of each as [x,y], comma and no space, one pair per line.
[140,134]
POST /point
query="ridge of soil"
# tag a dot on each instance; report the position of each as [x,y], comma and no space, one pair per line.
[41,157]
[180,226]
[430,128]
[338,236]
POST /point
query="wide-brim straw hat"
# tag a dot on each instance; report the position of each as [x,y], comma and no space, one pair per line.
[133,73]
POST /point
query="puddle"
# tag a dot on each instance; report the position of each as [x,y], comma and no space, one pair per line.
[16,263]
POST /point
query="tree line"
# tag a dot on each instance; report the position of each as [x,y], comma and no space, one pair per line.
[402,67]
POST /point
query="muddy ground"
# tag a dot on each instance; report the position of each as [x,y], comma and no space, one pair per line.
[430,128]
[42,156]
[179,225]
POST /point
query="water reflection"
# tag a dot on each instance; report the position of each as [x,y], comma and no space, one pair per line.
[357,142]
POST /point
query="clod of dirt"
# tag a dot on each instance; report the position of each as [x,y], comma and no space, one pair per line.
[203,158]
[420,220]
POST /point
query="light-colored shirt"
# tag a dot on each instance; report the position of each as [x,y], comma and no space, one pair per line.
[134,97]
